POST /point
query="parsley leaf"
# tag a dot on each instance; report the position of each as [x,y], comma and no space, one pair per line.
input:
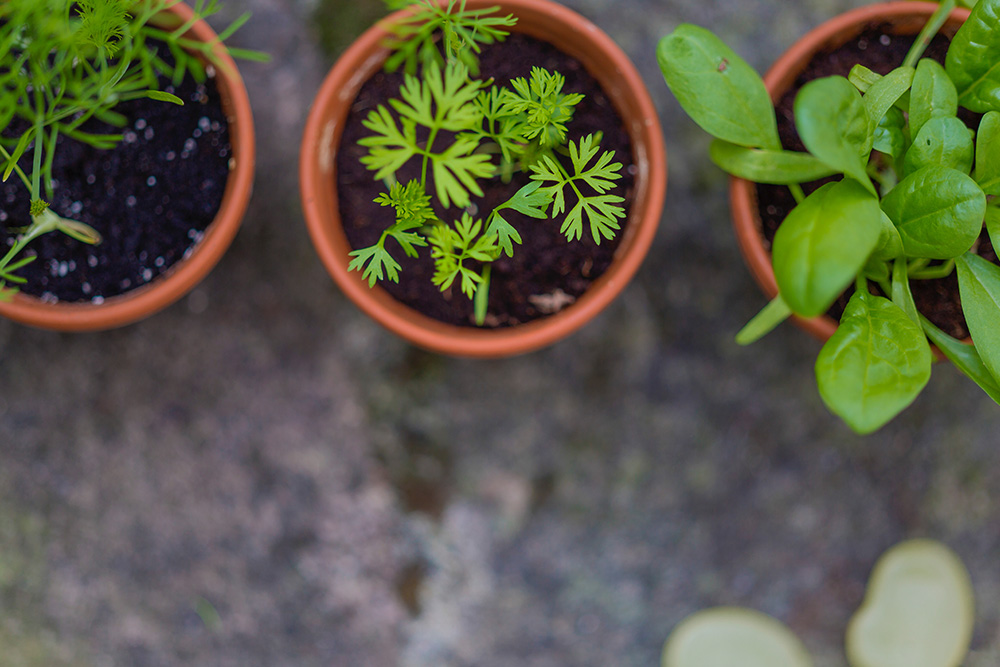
[601,210]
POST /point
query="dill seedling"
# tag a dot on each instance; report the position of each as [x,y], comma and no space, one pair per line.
[66,62]
[464,130]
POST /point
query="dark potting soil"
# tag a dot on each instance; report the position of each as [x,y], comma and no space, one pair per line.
[151,197]
[938,300]
[547,272]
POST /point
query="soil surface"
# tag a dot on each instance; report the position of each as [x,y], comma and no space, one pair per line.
[546,273]
[881,52]
[150,198]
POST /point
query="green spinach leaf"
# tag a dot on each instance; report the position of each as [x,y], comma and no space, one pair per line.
[762,165]
[933,95]
[717,88]
[944,141]
[874,365]
[979,287]
[833,123]
[823,244]
[965,357]
[972,59]
[938,212]
[988,153]
[885,92]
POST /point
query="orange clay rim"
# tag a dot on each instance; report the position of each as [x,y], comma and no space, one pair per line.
[906,18]
[577,37]
[177,281]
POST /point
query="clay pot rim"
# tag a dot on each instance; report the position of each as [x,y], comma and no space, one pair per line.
[577,37]
[177,281]
[779,77]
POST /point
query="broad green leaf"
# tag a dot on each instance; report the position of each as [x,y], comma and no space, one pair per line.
[774,313]
[889,137]
[972,61]
[733,637]
[885,92]
[762,165]
[918,610]
[938,212]
[933,95]
[717,88]
[876,270]
[943,141]
[988,153]
[890,244]
[964,357]
[833,123]
[823,244]
[979,288]
[901,294]
[993,223]
[874,365]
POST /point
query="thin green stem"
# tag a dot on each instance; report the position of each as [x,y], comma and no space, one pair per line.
[797,192]
[36,174]
[923,40]
[934,272]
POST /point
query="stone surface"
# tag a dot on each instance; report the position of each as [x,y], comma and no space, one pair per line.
[260,475]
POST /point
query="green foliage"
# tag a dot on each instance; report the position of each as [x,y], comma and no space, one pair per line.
[463,131]
[601,209]
[462,32]
[452,246]
[918,611]
[67,62]
[917,190]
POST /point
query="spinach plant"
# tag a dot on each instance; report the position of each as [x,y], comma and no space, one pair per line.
[463,130]
[916,189]
[66,62]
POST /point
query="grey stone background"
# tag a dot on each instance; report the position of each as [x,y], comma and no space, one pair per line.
[260,475]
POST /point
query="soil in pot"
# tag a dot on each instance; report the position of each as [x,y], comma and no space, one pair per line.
[546,273]
[881,52]
[150,198]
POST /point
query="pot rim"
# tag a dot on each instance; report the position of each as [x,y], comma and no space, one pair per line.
[183,276]
[780,76]
[574,35]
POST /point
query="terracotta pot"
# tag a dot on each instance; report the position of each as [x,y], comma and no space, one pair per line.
[575,36]
[905,18]
[184,275]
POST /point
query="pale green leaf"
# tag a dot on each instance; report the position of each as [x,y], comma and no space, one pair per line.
[733,637]
[918,610]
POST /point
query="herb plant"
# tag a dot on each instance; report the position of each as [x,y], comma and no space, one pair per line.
[917,188]
[462,131]
[66,62]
